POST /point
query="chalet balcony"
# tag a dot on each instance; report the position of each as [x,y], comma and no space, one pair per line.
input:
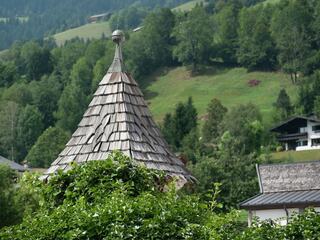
[292,136]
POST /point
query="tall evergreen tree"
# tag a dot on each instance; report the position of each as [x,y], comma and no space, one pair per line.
[168,130]
[180,124]
[283,105]
[191,115]
[215,113]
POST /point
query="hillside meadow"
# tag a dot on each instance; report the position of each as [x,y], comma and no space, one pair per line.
[296,156]
[87,31]
[188,5]
[164,89]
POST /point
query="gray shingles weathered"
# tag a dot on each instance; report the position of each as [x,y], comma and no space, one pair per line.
[289,177]
[287,185]
[118,119]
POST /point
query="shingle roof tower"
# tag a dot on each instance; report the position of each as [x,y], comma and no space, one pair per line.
[118,119]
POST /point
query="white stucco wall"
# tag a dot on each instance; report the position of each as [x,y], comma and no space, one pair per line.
[311,135]
[277,215]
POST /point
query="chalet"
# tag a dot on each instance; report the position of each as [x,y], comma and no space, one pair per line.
[13,165]
[285,189]
[118,118]
[99,17]
[299,133]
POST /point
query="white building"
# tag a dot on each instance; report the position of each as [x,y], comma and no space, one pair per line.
[285,189]
[299,133]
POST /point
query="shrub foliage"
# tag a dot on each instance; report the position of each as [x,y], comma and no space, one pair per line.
[116,199]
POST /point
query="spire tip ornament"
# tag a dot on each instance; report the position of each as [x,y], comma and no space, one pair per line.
[118,36]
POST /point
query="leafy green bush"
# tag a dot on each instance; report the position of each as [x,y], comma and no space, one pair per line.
[9,214]
[18,195]
[303,226]
[116,199]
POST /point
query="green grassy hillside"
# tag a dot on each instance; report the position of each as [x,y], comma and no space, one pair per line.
[293,156]
[167,87]
[188,5]
[95,30]
[88,31]
[271,2]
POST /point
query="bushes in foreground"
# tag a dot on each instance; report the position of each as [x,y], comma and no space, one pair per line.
[115,199]
[304,226]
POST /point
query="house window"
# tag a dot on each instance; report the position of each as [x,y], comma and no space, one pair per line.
[302,143]
[315,142]
[303,129]
[316,128]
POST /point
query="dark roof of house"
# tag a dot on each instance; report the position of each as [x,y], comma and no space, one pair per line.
[294,120]
[118,118]
[289,177]
[283,199]
[291,184]
[12,165]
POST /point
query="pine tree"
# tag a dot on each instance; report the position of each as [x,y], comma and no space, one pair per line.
[191,115]
[180,124]
[283,105]
[216,112]
[168,129]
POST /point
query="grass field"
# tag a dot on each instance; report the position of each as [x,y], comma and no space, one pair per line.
[188,5]
[168,87]
[88,31]
[270,2]
[293,156]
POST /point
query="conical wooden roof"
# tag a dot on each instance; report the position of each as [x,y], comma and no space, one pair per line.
[118,118]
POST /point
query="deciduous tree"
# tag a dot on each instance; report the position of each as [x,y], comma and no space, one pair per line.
[193,34]
[47,147]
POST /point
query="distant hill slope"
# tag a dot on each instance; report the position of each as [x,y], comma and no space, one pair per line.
[167,88]
[95,30]
[271,1]
[188,6]
[43,17]
[88,31]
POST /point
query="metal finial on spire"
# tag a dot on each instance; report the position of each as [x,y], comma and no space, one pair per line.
[117,64]
[118,36]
